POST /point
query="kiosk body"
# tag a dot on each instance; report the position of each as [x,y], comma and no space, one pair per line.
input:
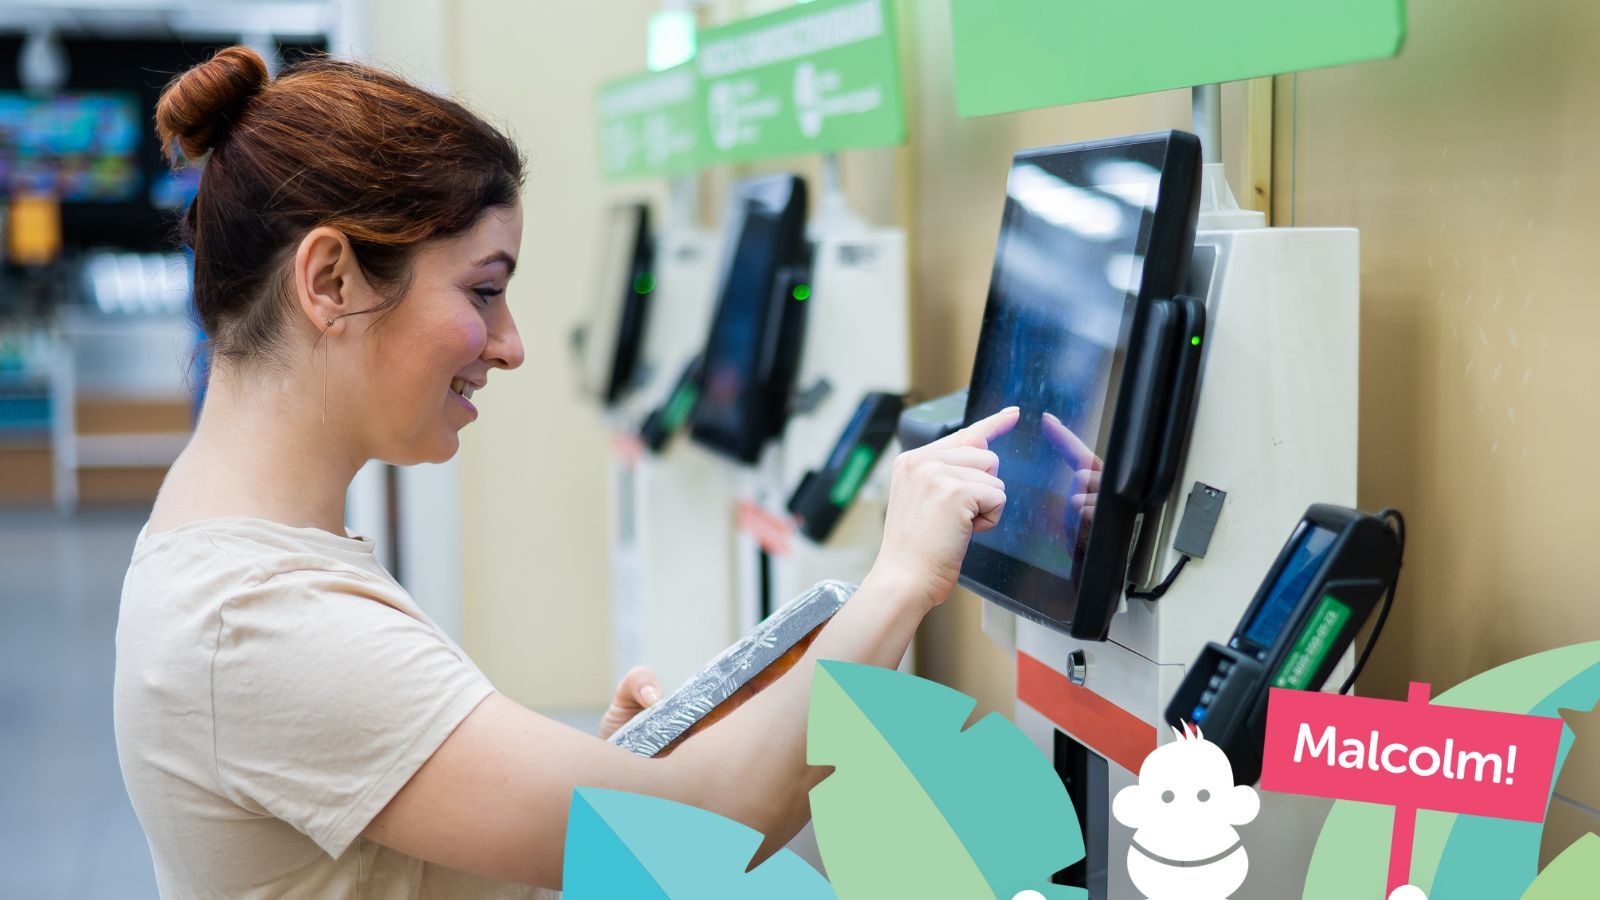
[1274,427]
[672,587]
[857,343]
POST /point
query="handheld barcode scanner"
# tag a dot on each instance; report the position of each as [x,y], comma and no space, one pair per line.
[1334,570]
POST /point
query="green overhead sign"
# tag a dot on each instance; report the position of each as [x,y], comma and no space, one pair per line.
[650,124]
[1025,54]
[813,78]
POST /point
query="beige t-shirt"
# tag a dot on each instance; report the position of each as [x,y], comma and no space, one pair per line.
[275,688]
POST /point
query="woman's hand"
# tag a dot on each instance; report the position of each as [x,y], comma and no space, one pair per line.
[638,690]
[940,495]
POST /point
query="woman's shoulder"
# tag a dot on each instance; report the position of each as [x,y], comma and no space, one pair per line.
[254,548]
[202,569]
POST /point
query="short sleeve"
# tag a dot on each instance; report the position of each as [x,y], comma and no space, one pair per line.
[326,700]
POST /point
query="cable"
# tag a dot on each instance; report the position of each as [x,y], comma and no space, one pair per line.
[1397,523]
[1157,592]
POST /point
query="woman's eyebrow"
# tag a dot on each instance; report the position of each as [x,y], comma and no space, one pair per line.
[499,256]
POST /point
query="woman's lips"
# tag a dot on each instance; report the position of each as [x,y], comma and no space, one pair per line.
[460,390]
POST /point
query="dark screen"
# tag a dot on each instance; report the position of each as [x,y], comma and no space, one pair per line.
[1309,552]
[734,346]
[77,147]
[1065,279]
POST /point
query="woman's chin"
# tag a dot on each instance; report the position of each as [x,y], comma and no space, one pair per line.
[436,449]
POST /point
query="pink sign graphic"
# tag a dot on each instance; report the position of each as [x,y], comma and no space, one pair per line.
[1410,756]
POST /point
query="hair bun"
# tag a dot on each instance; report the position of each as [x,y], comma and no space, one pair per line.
[199,107]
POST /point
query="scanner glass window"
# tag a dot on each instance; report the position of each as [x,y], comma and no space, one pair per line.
[731,352]
[1310,551]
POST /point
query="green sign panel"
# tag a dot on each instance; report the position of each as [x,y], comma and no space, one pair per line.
[1026,54]
[813,78]
[1313,645]
[650,124]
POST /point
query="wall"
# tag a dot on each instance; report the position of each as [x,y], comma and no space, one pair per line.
[1468,165]
[535,609]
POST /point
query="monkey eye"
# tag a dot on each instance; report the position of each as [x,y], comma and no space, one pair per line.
[1203,796]
[1168,796]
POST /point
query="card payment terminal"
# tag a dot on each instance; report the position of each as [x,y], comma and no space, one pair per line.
[1332,573]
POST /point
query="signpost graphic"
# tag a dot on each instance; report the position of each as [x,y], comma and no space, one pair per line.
[1411,756]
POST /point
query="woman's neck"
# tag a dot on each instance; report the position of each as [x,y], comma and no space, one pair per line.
[263,447]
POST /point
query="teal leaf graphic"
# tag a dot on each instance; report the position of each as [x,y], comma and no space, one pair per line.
[1458,856]
[641,848]
[916,807]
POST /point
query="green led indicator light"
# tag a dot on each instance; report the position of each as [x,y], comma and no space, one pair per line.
[644,284]
[802,292]
[1195,340]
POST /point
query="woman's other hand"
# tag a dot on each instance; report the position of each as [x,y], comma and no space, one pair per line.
[638,690]
[940,495]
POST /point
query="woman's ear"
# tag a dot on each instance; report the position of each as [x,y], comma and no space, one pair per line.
[1130,806]
[324,277]
[1241,806]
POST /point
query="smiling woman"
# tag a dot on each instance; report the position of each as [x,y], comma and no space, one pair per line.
[289,722]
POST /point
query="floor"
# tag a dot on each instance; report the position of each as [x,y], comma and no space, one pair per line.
[66,829]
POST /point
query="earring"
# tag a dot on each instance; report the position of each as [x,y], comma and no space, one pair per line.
[329,320]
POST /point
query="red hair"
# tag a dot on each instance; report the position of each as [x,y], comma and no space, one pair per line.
[327,143]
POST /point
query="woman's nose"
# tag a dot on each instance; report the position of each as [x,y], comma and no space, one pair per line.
[504,349]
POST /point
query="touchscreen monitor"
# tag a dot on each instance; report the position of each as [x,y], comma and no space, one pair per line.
[1090,236]
[742,390]
[614,335]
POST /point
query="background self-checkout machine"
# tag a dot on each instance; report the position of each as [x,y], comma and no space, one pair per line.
[854,368]
[1274,427]
[671,536]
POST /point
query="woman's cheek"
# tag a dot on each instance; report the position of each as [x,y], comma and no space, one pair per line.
[471,338]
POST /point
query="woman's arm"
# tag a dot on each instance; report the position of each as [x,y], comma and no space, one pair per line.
[493,799]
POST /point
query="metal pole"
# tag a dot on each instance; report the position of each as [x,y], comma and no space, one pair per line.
[1207,102]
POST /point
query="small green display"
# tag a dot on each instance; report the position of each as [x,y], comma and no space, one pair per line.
[644,283]
[802,292]
[1195,341]
[1313,645]
[856,467]
[679,406]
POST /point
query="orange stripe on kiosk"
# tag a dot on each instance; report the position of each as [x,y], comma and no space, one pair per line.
[1099,724]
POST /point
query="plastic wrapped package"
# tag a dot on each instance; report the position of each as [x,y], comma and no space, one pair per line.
[737,674]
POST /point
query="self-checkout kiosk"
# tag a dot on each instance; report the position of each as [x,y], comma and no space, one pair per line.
[671,550]
[803,377]
[1188,383]
[826,483]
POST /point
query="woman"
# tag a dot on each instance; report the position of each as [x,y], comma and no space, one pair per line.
[289,722]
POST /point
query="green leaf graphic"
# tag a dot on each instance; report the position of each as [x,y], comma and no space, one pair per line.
[642,848]
[1458,856]
[919,808]
[1572,874]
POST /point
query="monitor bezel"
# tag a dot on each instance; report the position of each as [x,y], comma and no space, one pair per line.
[633,313]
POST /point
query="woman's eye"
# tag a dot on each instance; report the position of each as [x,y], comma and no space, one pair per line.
[487,295]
